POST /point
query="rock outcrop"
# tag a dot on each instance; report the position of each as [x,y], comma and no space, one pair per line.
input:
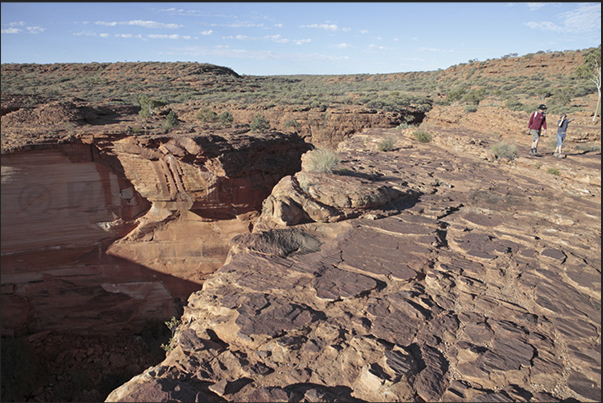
[465,279]
[78,219]
[430,272]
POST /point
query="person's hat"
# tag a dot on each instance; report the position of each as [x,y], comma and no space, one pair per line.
[542,106]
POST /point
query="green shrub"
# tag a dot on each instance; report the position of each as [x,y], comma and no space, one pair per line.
[562,97]
[543,93]
[514,105]
[206,115]
[387,144]
[260,124]
[226,118]
[172,324]
[504,150]
[457,93]
[422,136]
[148,105]
[470,108]
[171,120]
[321,160]
[475,97]
[553,171]
[403,126]
[293,123]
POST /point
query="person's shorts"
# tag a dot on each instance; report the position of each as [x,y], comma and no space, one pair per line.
[535,134]
[560,139]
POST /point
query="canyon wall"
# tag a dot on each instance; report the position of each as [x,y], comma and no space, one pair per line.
[92,230]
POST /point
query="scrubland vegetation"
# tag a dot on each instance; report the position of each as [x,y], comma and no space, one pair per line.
[180,82]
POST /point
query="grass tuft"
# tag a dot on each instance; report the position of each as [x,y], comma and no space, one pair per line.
[321,160]
[387,144]
[422,136]
[504,150]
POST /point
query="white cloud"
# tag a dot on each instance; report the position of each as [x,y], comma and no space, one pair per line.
[244,24]
[586,18]
[378,47]
[328,27]
[173,36]
[435,50]
[84,33]
[364,31]
[146,24]
[130,36]
[108,24]
[13,30]
[546,26]
[153,24]
[194,13]
[535,6]
[342,46]
[302,41]
[207,32]
[278,39]
[35,30]
[104,35]
[10,31]
[273,38]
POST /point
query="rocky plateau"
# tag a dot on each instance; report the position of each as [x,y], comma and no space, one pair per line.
[429,272]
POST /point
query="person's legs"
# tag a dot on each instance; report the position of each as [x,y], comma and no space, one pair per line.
[535,138]
[558,148]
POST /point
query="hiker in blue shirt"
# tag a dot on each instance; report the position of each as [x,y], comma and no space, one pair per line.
[561,133]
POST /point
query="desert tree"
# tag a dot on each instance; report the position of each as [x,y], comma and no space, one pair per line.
[591,69]
[147,105]
[543,93]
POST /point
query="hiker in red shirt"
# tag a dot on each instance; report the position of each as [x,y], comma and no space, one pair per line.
[537,122]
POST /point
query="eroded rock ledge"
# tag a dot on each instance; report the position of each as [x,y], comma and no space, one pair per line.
[108,231]
[446,289]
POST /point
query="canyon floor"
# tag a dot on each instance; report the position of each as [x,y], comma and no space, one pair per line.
[431,272]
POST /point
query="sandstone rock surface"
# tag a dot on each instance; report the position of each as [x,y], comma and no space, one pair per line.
[108,232]
[430,272]
[476,280]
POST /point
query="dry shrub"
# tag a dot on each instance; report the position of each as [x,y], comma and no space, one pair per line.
[321,160]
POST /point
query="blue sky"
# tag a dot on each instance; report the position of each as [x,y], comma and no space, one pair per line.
[294,38]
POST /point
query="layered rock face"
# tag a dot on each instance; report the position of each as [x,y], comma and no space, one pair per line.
[93,230]
[61,207]
[419,274]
